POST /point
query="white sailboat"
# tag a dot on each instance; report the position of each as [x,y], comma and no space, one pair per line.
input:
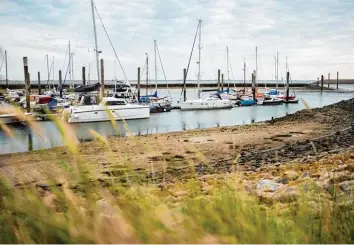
[204,103]
[91,110]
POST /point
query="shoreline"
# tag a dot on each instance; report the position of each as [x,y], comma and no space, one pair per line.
[255,145]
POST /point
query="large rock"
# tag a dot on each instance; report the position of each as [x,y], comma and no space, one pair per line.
[286,194]
[266,188]
[347,186]
[289,175]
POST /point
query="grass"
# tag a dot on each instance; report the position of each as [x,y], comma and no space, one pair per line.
[129,209]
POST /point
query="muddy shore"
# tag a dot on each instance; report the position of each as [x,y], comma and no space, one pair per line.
[303,137]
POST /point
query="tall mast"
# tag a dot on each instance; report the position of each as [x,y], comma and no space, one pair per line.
[155,65]
[96,48]
[72,68]
[256,63]
[147,74]
[53,72]
[6,77]
[47,70]
[244,69]
[286,66]
[227,66]
[199,60]
[69,55]
[277,69]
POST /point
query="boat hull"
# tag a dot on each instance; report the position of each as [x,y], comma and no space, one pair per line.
[100,114]
[9,119]
[205,105]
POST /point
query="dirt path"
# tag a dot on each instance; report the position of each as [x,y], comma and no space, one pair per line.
[212,150]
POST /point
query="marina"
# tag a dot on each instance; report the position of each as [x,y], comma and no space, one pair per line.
[24,139]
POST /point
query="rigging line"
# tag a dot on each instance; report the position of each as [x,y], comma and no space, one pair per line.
[65,58]
[2,62]
[162,67]
[111,44]
[188,65]
[230,66]
[144,66]
[66,73]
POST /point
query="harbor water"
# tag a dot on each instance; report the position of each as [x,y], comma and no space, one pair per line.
[24,139]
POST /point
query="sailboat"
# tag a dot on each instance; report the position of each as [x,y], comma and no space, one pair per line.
[91,109]
[212,102]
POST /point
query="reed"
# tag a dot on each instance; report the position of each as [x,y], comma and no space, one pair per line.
[85,209]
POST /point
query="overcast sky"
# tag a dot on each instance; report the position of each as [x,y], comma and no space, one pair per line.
[316,35]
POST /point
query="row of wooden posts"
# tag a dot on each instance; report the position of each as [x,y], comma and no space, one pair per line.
[322,81]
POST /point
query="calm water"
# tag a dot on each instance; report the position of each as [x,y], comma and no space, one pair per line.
[25,140]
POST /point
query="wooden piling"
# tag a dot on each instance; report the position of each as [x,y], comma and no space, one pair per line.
[219,78]
[6,77]
[102,88]
[287,86]
[321,83]
[60,85]
[39,83]
[27,84]
[328,80]
[337,80]
[222,83]
[139,84]
[184,84]
[253,85]
[83,75]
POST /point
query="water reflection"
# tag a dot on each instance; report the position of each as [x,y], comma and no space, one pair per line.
[26,140]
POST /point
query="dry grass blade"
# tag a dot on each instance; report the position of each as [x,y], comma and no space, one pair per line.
[306,104]
[98,136]
[6,129]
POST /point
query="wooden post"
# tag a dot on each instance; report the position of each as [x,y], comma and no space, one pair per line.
[139,84]
[60,84]
[337,80]
[222,83]
[253,85]
[287,86]
[321,83]
[27,84]
[39,83]
[184,84]
[83,75]
[219,78]
[6,78]
[102,88]
[328,80]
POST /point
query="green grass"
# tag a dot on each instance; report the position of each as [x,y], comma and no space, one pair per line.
[126,209]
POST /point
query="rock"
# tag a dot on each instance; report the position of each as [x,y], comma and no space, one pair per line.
[290,175]
[286,194]
[341,176]
[268,185]
[306,175]
[347,186]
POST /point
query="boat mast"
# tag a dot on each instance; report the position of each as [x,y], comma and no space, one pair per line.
[256,63]
[146,89]
[47,70]
[96,48]
[155,65]
[199,60]
[53,73]
[69,55]
[228,66]
[244,74]
[277,69]
[72,68]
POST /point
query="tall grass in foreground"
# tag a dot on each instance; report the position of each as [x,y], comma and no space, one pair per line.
[84,211]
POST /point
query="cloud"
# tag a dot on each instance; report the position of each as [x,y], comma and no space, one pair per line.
[317,36]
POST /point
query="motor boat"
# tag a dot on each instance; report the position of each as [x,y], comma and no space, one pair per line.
[267,100]
[212,102]
[48,104]
[91,110]
[160,105]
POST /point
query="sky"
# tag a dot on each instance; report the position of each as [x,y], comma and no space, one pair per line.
[317,36]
